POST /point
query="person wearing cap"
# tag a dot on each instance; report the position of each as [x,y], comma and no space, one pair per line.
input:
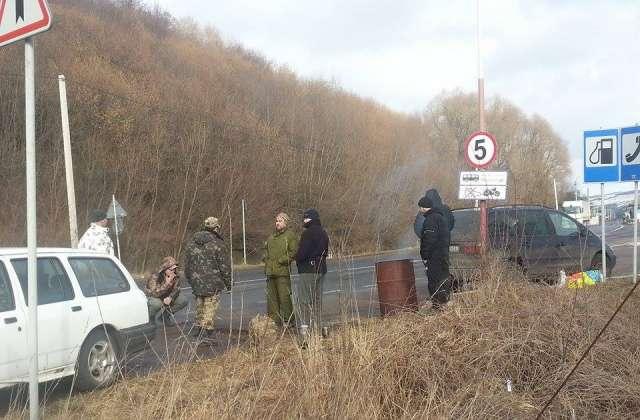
[96,238]
[434,250]
[279,251]
[312,265]
[207,271]
[163,291]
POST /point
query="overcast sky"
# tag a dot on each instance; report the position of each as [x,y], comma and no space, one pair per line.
[574,62]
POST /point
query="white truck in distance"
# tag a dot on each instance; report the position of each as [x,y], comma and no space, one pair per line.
[578,209]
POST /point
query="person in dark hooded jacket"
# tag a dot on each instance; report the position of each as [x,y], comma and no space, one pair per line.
[434,250]
[207,271]
[434,196]
[311,261]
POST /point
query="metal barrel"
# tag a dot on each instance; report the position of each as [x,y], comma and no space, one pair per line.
[396,286]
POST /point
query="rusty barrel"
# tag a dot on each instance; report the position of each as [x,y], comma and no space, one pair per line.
[396,286]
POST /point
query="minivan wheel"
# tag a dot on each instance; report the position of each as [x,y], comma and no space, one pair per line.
[596,263]
[97,362]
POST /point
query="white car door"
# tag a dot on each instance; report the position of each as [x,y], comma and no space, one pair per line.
[105,285]
[13,335]
[62,320]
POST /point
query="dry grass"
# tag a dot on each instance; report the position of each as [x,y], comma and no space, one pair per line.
[452,364]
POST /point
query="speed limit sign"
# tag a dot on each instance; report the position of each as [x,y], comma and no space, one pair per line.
[480,149]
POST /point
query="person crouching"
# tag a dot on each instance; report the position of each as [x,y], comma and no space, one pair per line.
[163,291]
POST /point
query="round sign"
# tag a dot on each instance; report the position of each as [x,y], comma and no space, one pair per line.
[480,149]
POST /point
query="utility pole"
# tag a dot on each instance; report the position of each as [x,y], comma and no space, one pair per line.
[68,162]
[484,235]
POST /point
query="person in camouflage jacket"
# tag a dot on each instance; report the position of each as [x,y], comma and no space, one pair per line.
[207,271]
[96,238]
[163,290]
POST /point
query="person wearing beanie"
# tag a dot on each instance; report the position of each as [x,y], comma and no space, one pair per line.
[435,201]
[207,271]
[96,238]
[279,251]
[425,202]
[163,291]
[434,247]
[312,265]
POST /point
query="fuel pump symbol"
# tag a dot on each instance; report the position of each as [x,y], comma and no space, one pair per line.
[603,153]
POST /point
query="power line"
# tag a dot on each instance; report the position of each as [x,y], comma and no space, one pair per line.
[587,351]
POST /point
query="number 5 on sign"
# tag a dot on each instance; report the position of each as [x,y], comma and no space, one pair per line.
[480,149]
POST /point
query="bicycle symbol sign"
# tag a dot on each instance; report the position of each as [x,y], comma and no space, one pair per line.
[481,149]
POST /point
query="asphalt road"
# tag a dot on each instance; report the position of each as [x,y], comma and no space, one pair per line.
[620,239]
[350,284]
[350,292]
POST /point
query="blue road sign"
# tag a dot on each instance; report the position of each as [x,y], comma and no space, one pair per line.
[630,153]
[601,157]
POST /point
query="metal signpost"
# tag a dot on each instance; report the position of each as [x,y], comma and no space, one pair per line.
[244,237]
[481,149]
[478,142]
[21,19]
[630,171]
[117,213]
[601,164]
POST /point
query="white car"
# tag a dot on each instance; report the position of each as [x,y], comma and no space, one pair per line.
[91,314]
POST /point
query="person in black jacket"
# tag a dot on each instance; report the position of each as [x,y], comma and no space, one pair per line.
[312,266]
[434,196]
[434,250]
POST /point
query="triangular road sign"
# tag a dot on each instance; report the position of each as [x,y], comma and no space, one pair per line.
[119,211]
[20,19]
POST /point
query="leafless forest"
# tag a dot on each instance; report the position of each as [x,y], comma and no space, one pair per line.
[180,124]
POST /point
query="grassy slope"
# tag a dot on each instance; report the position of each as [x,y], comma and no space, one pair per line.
[453,364]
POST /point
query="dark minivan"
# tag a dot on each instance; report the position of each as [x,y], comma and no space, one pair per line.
[540,240]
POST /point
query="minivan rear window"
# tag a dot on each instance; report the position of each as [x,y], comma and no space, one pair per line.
[467,225]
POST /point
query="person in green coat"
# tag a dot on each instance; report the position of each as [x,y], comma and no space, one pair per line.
[279,251]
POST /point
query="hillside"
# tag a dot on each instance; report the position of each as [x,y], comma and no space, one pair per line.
[180,125]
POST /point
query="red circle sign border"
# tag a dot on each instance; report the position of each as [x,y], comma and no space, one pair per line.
[466,146]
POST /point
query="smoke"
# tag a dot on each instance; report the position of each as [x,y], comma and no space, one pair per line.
[394,204]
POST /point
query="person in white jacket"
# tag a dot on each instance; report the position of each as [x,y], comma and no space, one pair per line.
[96,238]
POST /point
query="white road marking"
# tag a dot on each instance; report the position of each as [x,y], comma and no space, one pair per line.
[622,276]
[622,244]
[328,292]
[261,279]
